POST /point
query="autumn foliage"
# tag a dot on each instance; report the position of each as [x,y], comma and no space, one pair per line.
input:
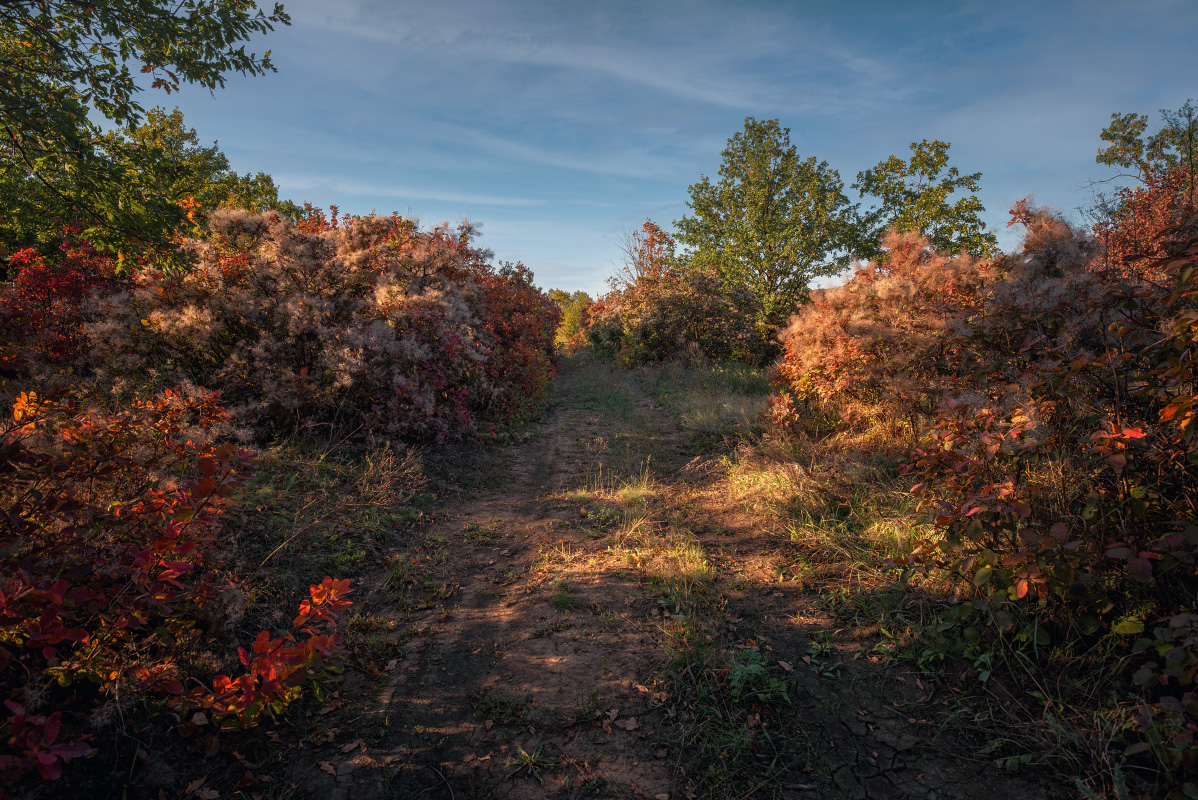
[363,322]
[1048,398]
[41,310]
[128,395]
[659,310]
[109,519]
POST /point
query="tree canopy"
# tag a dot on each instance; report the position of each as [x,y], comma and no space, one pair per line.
[771,224]
[62,62]
[1146,156]
[914,195]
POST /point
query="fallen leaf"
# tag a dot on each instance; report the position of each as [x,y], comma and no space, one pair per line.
[488,724]
[641,688]
[615,712]
[196,784]
[469,757]
[327,767]
[786,666]
[661,754]
[606,726]
[207,794]
[532,731]
[662,796]
[807,660]
[919,683]
[199,719]
[353,745]
[689,794]
[391,664]
[247,781]
[629,724]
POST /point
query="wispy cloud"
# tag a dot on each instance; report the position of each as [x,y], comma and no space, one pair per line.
[678,53]
[334,187]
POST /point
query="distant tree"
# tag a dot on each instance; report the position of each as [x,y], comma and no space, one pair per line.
[1145,157]
[646,252]
[914,197]
[573,306]
[66,63]
[772,224]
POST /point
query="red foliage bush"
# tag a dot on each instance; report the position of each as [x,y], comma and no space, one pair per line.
[659,310]
[359,321]
[1053,396]
[278,668]
[41,311]
[106,520]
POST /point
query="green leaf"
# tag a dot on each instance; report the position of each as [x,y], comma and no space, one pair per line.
[1127,626]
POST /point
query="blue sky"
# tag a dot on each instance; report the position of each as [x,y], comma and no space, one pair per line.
[559,124]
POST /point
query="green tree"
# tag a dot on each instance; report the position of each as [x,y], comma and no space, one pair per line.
[161,155]
[1147,157]
[915,195]
[573,306]
[772,223]
[188,169]
[63,60]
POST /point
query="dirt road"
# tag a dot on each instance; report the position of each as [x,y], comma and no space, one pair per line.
[600,617]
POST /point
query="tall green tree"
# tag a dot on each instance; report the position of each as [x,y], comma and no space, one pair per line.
[771,224]
[1146,156]
[188,169]
[64,64]
[915,195]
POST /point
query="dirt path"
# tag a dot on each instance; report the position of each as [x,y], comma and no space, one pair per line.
[601,622]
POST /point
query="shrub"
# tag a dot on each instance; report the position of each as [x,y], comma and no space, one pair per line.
[40,312]
[880,345]
[659,310]
[354,322]
[106,522]
[1052,395]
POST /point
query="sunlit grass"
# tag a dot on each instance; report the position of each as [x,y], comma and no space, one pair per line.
[710,399]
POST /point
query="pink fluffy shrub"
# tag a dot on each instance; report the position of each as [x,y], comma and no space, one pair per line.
[358,322]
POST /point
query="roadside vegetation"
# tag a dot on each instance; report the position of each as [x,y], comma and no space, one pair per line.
[991,456]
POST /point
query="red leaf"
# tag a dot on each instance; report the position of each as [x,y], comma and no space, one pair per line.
[1140,569]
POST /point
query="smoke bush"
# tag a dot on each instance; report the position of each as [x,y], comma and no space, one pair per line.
[659,309]
[1052,396]
[359,322]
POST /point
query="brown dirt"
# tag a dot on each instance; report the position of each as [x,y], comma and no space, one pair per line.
[484,688]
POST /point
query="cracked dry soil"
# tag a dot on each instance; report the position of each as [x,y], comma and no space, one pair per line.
[504,684]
